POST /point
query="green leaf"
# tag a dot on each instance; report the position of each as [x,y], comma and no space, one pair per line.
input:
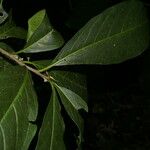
[75,84]
[3,13]
[41,35]
[73,81]
[80,13]
[72,102]
[35,22]
[67,78]
[10,30]
[76,101]
[119,33]
[52,130]
[18,107]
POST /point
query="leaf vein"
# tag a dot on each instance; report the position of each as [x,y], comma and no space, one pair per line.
[95,43]
[17,130]
[3,134]
[16,98]
[53,123]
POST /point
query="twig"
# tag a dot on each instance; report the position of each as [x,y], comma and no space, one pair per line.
[20,62]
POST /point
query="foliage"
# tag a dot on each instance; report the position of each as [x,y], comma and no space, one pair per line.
[119,33]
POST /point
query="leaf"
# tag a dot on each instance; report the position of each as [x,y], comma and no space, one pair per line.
[3,13]
[76,101]
[72,102]
[74,83]
[18,103]
[80,13]
[52,130]
[119,33]
[10,30]
[71,80]
[41,36]
[35,22]
[67,78]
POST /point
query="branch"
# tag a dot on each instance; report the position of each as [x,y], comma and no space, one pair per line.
[20,62]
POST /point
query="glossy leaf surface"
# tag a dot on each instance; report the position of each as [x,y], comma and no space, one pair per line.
[119,33]
[41,35]
[74,84]
[72,103]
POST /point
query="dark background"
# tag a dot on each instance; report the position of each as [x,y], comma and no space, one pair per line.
[119,98]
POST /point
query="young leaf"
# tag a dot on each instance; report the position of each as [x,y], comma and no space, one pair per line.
[52,130]
[18,107]
[10,30]
[119,33]
[41,36]
[72,103]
